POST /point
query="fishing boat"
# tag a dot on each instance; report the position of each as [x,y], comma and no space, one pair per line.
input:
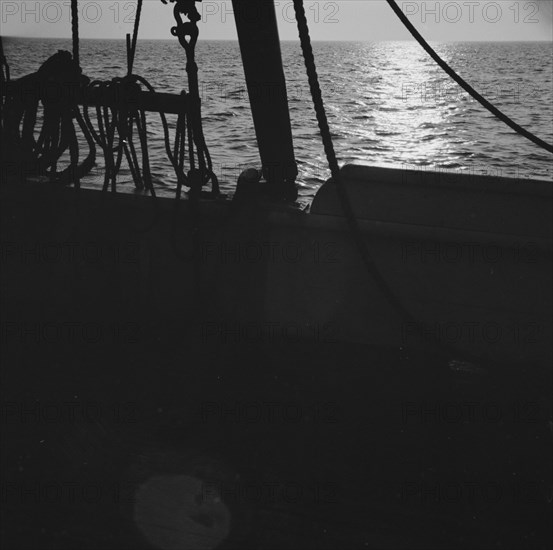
[380,360]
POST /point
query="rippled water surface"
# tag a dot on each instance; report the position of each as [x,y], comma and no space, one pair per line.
[388,103]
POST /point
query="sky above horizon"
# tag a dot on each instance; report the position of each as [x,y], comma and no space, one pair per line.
[370,20]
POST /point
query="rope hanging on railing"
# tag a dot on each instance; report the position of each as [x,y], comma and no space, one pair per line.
[467,87]
[118,122]
[121,120]
[105,136]
[57,85]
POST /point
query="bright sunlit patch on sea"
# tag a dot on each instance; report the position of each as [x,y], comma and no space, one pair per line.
[177,513]
[410,119]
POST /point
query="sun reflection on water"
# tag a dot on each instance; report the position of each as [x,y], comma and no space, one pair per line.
[412,109]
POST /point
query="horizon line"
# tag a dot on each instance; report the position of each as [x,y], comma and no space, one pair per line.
[283,40]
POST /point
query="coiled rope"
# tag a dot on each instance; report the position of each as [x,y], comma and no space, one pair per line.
[57,85]
[62,75]
[465,85]
[121,120]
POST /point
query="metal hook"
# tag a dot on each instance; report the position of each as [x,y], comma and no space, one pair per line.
[186,29]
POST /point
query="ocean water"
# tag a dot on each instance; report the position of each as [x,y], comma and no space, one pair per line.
[388,104]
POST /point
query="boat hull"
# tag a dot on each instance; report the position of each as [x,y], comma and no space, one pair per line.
[471,269]
[240,366]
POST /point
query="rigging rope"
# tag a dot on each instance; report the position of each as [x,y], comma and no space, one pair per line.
[467,87]
[75,30]
[187,34]
[135,35]
[349,214]
[4,82]
[4,67]
[189,127]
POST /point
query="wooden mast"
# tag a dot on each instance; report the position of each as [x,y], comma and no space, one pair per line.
[257,28]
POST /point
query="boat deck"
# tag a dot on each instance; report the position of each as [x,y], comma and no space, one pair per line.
[309,446]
